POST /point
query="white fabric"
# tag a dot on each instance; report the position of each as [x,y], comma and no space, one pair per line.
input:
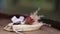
[14,19]
[21,18]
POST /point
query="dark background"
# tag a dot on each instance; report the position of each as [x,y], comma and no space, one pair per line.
[49,8]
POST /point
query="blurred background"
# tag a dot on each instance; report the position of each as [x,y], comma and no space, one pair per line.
[49,8]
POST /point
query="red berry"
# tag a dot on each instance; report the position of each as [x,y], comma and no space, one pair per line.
[29,20]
